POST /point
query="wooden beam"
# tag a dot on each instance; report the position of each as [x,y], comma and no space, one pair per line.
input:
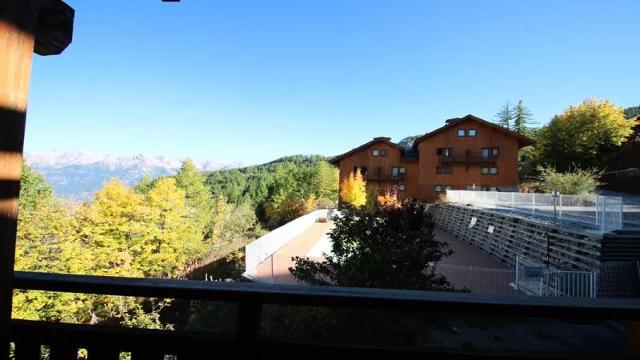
[17,42]
[44,26]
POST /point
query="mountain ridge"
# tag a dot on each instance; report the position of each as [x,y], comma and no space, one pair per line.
[79,174]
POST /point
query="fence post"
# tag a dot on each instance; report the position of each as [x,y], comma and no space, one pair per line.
[621,213]
[533,203]
[517,271]
[604,213]
[560,206]
[597,209]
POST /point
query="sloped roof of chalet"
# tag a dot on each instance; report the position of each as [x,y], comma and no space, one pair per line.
[452,122]
[384,140]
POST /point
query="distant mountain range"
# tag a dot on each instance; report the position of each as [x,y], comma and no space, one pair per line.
[79,174]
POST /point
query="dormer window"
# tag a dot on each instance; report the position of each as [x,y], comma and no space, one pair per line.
[375,153]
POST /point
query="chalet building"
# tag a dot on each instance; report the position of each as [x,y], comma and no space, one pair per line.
[465,153]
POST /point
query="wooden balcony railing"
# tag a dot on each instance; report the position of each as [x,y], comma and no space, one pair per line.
[382,177]
[64,340]
[468,159]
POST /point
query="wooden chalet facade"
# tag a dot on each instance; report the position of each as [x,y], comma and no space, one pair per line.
[465,153]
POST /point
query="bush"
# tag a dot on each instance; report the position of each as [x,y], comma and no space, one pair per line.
[387,248]
[574,182]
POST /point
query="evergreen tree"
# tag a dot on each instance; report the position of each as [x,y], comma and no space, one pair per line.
[632,112]
[505,116]
[521,118]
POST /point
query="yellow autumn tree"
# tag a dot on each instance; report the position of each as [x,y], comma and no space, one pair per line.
[353,189]
[389,199]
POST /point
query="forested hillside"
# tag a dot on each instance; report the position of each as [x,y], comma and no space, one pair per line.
[156,229]
[281,190]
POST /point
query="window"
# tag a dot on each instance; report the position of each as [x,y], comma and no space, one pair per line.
[401,187]
[462,133]
[444,170]
[384,152]
[489,170]
[397,171]
[473,132]
[490,152]
[444,152]
[447,187]
[471,187]
[493,188]
[437,188]
[375,152]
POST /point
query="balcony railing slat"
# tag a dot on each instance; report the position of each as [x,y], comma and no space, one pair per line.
[426,301]
[103,352]
[63,350]
[27,350]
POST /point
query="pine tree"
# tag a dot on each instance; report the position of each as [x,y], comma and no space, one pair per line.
[353,189]
[505,116]
[521,118]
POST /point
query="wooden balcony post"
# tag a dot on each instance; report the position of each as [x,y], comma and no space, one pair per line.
[43,26]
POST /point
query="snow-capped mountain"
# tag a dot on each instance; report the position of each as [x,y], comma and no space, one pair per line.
[79,174]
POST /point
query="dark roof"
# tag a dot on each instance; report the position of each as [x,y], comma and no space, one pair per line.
[384,140]
[451,122]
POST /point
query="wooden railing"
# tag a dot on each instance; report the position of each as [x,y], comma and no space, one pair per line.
[64,340]
[468,159]
[381,177]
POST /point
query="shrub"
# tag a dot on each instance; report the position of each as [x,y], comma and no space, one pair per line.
[574,182]
[389,247]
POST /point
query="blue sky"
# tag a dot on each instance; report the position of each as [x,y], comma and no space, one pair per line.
[255,80]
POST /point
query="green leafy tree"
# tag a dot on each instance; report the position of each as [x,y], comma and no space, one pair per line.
[34,189]
[522,117]
[145,184]
[573,182]
[582,135]
[505,116]
[387,248]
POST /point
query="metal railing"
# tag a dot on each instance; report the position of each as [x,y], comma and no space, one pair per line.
[600,213]
[535,279]
[259,250]
[479,280]
[249,340]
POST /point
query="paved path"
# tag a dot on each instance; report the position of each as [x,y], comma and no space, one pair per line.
[280,262]
[315,238]
[465,254]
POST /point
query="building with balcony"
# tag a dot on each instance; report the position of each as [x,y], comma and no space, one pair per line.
[465,153]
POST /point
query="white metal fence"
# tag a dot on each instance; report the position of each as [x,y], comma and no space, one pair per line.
[601,213]
[261,249]
[535,279]
[479,279]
